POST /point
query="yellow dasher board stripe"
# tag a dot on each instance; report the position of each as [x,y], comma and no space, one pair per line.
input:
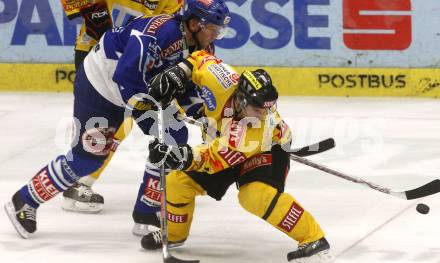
[348,82]
[37,77]
[345,82]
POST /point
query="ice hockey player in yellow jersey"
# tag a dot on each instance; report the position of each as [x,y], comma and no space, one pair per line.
[251,151]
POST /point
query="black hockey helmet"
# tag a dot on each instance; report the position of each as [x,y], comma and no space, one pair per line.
[258,88]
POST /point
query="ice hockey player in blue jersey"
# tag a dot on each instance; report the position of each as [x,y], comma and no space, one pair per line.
[118,77]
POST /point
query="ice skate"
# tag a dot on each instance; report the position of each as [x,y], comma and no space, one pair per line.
[145,223]
[312,252]
[22,216]
[81,198]
[153,241]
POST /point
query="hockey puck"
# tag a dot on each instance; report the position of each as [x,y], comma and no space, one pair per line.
[422,208]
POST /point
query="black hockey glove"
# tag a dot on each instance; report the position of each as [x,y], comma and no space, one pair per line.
[163,86]
[173,157]
[97,19]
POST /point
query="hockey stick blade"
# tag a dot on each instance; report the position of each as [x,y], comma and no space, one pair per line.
[430,188]
[172,259]
[315,148]
[425,190]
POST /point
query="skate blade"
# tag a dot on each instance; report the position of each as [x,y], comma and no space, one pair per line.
[320,257]
[10,211]
[72,205]
[143,230]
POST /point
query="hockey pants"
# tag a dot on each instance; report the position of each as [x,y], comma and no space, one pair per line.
[280,210]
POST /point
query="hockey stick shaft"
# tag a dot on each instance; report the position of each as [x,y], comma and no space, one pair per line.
[323,168]
[163,201]
[167,257]
[422,191]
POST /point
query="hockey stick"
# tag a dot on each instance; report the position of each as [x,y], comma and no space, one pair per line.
[167,257]
[430,188]
[315,148]
[312,149]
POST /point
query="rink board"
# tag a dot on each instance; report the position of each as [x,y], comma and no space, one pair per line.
[288,33]
[372,82]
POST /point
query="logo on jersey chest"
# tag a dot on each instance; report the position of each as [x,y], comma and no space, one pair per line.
[256,161]
[231,157]
[224,74]
[171,49]
[157,22]
[208,97]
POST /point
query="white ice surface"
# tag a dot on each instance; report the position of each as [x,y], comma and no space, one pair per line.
[392,142]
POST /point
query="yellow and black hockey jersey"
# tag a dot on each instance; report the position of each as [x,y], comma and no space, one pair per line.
[121,12]
[240,139]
